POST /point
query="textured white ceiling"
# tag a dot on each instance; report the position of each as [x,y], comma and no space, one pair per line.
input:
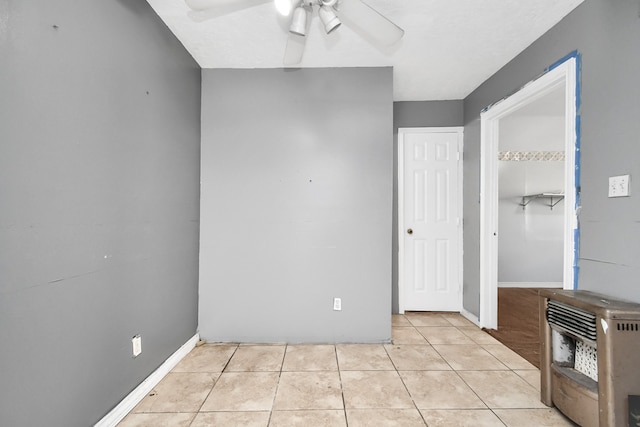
[449,48]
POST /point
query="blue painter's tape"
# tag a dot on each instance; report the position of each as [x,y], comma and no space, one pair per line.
[576,233]
[578,155]
[578,162]
[559,62]
[576,256]
[578,80]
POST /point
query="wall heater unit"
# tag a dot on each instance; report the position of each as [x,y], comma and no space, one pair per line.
[590,357]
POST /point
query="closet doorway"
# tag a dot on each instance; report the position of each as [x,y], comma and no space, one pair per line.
[527,201]
[530,218]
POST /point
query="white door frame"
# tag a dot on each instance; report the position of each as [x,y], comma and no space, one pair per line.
[401,226]
[564,73]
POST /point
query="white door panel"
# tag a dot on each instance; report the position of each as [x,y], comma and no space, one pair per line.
[430,237]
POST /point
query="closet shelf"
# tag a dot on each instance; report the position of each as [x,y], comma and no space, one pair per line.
[554,199]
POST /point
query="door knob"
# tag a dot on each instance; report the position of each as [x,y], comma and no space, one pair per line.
[409,231]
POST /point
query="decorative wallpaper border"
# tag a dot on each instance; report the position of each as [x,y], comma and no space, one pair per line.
[540,156]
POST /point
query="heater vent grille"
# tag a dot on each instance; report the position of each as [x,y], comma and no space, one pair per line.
[572,320]
[628,327]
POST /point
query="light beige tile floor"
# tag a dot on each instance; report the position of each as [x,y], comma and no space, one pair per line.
[440,370]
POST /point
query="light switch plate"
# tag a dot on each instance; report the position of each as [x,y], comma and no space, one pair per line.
[137,345]
[619,186]
[337,304]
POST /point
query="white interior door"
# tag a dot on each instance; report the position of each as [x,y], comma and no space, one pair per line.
[430,236]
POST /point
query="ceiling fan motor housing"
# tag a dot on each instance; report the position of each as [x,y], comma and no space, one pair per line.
[311,3]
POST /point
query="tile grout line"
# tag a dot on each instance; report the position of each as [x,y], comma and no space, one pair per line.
[275,393]
[235,348]
[214,383]
[509,369]
[459,376]
[415,405]
[467,384]
[344,403]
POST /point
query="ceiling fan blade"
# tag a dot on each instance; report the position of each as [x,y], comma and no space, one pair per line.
[203,10]
[357,14]
[200,5]
[295,49]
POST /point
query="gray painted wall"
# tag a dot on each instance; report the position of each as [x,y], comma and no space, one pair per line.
[407,114]
[99,171]
[530,239]
[296,205]
[607,35]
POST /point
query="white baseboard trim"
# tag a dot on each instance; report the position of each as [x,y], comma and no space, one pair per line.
[530,285]
[470,317]
[118,413]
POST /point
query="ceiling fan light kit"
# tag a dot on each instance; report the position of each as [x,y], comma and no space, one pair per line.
[328,18]
[299,21]
[303,8]
[370,23]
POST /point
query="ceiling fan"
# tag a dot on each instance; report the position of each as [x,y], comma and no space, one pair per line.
[365,20]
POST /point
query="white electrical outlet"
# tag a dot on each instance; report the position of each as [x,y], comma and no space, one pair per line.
[619,186]
[337,304]
[137,345]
